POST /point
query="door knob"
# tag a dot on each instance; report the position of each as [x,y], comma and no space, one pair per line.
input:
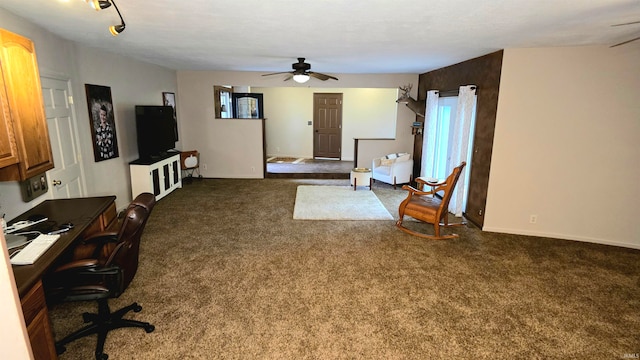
[57,182]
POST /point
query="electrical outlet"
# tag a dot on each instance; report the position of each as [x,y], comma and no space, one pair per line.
[253,169]
[204,166]
[533,219]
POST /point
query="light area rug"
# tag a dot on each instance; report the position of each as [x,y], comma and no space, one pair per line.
[315,202]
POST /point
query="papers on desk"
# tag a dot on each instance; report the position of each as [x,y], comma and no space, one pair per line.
[14,241]
[23,225]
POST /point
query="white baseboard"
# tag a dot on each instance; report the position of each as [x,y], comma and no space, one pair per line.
[561,236]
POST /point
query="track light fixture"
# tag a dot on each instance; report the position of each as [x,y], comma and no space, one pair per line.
[98,4]
[103,4]
[117,29]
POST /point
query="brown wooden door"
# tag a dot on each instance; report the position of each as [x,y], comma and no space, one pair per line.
[327,125]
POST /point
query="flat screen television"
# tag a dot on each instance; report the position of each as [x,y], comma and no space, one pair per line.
[156,130]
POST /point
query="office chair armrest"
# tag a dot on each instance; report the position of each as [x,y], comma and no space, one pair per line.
[111,270]
[101,238]
[76,265]
[86,268]
[84,280]
[96,242]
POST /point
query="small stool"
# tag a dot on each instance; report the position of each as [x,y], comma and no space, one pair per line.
[361,176]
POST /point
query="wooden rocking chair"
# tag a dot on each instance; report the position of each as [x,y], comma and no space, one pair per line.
[425,206]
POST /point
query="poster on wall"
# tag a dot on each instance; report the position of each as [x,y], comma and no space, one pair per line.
[169,99]
[103,126]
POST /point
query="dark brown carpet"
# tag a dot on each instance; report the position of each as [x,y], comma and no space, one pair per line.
[226,273]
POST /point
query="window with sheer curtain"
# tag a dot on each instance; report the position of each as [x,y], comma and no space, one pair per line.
[447,141]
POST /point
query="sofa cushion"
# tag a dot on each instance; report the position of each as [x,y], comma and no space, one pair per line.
[391,156]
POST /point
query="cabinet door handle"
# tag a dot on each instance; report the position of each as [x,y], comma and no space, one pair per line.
[57,182]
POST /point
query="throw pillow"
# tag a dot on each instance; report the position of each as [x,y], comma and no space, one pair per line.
[391,156]
[403,157]
[386,162]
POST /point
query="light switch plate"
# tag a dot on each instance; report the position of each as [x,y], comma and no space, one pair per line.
[34,187]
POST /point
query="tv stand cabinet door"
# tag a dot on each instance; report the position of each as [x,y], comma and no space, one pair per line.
[159,178]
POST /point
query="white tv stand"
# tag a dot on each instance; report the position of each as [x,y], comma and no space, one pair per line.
[158,176]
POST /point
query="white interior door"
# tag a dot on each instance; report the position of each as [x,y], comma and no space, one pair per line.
[65,180]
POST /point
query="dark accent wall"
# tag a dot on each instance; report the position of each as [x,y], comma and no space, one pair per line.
[484,72]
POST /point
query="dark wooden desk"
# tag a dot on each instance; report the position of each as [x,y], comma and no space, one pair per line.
[88,215]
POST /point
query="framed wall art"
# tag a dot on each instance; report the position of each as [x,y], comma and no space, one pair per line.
[103,126]
[169,99]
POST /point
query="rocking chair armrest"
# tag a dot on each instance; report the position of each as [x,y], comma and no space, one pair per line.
[430,183]
[415,191]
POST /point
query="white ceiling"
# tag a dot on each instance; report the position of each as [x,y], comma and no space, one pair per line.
[336,36]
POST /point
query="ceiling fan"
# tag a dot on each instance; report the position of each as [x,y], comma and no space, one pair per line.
[628,41]
[301,73]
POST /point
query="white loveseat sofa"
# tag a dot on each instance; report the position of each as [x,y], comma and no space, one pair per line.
[393,169]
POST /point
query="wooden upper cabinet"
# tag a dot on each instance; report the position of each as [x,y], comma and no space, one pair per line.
[26,112]
[8,150]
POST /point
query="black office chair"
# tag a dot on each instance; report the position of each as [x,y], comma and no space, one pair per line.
[105,274]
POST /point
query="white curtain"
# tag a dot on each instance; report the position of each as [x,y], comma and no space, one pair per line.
[462,145]
[429,134]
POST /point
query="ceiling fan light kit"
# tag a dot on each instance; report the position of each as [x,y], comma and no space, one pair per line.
[302,73]
[301,78]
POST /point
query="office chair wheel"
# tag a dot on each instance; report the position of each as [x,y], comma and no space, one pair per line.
[101,356]
[136,307]
[60,349]
[149,328]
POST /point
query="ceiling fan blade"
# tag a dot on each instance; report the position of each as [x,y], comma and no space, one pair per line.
[625,42]
[321,76]
[277,73]
[629,23]
[289,78]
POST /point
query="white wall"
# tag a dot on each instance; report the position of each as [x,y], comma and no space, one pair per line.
[366,113]
[14,339]
[132,83]
[566,145]
[204,133]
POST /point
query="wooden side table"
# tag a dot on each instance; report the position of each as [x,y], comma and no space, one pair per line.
[361,176]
